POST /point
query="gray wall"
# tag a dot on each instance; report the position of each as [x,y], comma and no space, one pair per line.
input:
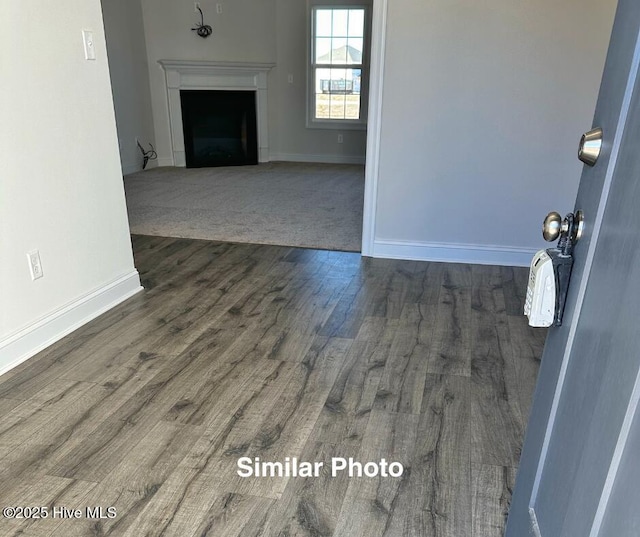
[483,108]
[60,178]
[293,141]
[129,79]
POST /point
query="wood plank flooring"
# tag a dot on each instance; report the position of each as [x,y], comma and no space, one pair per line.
[272,352]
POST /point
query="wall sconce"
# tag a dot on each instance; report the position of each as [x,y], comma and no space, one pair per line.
[202,29]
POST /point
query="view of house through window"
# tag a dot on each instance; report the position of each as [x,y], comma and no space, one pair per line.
[337,63]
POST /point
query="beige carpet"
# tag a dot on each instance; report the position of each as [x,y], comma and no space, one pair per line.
[290,204]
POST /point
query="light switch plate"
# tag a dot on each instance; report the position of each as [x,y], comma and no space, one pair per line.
[89,47]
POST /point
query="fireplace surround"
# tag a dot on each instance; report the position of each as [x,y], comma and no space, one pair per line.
[205,75]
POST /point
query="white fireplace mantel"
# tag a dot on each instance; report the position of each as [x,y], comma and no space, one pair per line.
[205,75]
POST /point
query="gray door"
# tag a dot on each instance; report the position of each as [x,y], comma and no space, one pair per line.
[578,472]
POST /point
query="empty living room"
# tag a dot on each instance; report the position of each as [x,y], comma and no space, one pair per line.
[338,268]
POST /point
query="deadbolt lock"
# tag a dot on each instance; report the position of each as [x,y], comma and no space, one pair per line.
[590,146]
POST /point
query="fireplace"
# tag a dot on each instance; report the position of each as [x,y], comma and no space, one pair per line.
[219,128]
[194,76]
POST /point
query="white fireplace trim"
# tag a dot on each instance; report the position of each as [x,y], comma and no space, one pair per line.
[205,75]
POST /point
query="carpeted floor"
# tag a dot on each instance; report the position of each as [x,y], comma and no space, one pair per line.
[290,204]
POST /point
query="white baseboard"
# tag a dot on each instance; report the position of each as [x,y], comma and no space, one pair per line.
[454,253]
[327,159]
[165,161]
[22,345]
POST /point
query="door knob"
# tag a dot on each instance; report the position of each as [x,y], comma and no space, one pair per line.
[552,226]
[590,146]
[570,228]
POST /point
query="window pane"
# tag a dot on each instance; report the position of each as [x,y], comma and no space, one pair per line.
[352,107]
[356,23]
[339,50]
[354,50]
[322,82]
[333,81]
[336,109]
[339,81]
[323,50]
[323,22]
[340,22]
[356,78]
[322,106]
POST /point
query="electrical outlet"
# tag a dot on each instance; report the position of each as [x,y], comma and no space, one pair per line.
[35,265]
[340,138]
[218,8]
[290,79]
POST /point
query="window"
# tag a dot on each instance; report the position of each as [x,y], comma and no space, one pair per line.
[338,64]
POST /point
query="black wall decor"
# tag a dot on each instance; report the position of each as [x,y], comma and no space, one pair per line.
[202,29]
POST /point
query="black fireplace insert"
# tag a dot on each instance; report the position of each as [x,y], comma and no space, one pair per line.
[220,127]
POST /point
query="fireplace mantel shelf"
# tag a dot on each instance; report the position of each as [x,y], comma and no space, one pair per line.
[198,65]
[211,75]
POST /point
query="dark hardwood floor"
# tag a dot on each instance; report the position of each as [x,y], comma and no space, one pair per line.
[271,352]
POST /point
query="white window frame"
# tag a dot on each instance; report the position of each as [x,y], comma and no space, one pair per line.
[339,124]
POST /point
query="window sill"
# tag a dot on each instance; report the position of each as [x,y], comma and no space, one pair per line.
[337,125]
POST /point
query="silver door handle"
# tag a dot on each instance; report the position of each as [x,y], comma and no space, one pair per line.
[571,227]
